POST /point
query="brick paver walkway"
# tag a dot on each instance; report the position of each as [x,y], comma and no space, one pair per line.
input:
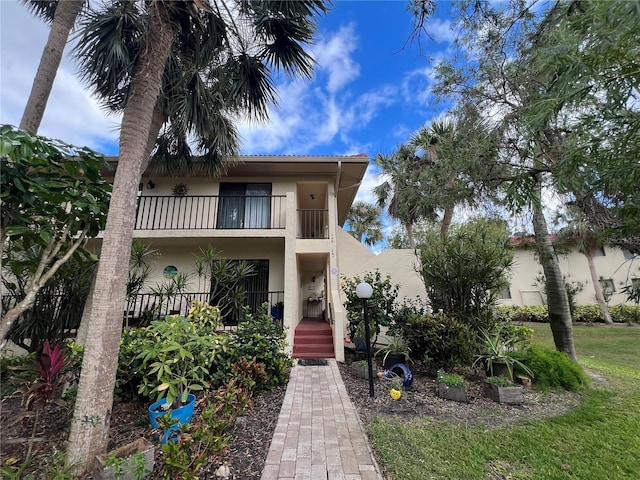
[318,436]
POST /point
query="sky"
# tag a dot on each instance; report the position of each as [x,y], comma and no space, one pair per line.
[370,91]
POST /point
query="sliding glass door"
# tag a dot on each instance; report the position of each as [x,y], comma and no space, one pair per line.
[244,205]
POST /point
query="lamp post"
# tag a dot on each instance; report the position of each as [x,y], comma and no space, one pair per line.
[364,291]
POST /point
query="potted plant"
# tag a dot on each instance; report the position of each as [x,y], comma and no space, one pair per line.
[359,369]
[498,354]
[277,311]
[452,386]
[503,390]
[132,461]
[176,356]
[393,353]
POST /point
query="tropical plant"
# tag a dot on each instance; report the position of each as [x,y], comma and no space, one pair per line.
[498,348]
[364,223]
[139,271]
[395,347]
[175,359]
[53,198]
[464,272]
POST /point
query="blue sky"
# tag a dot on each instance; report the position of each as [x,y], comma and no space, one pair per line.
[370,91]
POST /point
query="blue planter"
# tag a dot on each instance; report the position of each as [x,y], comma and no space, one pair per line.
[184,414]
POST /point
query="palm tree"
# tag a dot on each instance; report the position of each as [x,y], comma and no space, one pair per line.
[257,36]
[579,230]
[364,223]
[62,15]
[400,191]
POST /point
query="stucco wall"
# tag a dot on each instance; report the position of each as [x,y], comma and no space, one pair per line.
[613,265]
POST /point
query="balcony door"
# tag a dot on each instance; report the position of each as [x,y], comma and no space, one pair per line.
[244,205]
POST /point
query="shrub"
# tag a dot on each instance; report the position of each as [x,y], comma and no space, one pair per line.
[625,313]
[523,313]
[263,340]
[588,314]
[553,369]
[381,306]
[442,341]
[464,272]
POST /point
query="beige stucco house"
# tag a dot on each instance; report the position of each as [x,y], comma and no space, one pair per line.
[283,214]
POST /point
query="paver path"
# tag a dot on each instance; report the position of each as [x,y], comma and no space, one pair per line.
[318,435]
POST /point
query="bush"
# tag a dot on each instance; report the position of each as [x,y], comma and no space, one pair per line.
[553,369]
[588,314]
[464,272]
[524,313]
[625,313]
[262,340]
[442,341]
[381,306]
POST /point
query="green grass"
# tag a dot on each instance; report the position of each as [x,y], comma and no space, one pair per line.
[599,440]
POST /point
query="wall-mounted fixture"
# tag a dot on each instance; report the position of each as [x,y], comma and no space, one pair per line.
[150,185]
[313,197]
[313,279]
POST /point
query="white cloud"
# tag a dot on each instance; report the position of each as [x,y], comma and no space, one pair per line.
[334,55]
[72,115]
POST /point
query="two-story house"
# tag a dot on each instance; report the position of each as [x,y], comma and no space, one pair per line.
[281,214]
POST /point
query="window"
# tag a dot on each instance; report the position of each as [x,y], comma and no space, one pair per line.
[635,283]
[627,254]
[244,205]
[608,288]
[505,293]
[600,252]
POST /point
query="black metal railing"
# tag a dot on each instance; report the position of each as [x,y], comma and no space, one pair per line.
[146,307]
[201,212]
[313,223]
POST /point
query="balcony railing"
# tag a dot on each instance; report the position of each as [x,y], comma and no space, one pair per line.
[210,212]
[313,223]
[146,307]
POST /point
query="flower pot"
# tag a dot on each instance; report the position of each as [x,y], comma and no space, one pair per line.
[393,359]
[448,392]
[183,414]
[361,344]
[132,461]
[360,370]
[509,395]
[500,369]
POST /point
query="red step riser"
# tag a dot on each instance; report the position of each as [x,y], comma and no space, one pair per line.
[313,339]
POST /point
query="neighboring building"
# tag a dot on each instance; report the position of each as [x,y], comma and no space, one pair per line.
[282,213]
[614,266]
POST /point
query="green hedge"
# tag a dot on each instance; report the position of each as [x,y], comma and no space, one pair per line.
[582,313]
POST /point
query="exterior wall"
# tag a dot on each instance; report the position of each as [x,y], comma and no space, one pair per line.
[525,291]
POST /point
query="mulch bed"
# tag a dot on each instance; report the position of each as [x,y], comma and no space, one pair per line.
[252,433]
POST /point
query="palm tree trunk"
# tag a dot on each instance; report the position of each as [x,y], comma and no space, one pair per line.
[66,13]
[412,240]
[557,300]
[597,287]
[90,425]
[446,221]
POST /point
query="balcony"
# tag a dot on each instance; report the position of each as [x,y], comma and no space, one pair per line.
[210,212]
[313,223]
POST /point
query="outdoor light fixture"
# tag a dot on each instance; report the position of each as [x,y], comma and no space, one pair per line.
[313,279]
[364,291]
[313,197]
[150,185]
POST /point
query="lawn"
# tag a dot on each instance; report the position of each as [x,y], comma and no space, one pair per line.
[600,440]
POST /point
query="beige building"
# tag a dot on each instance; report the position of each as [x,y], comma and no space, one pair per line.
[614,266]
[282,214]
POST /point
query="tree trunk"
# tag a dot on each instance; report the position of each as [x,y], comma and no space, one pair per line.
[597,287]
[446,221]
[90,424]
[65,16]
[412,239]
[557,300]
